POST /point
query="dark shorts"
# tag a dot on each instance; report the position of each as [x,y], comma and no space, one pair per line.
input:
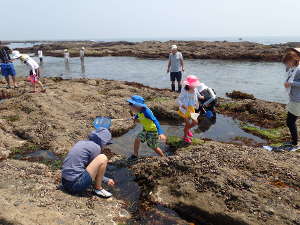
[176,76]
[37,72]
[7,69]
[83,182]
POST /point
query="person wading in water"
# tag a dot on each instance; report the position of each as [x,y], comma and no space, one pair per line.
[175,67]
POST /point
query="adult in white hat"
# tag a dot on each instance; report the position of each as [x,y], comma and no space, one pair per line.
[175,67]
[66,56]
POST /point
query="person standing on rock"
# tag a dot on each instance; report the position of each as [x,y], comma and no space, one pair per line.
[152,131]
[188,101]
[175,67]
[82,54]
[34,70]
[7,67]
[85,164]
[292,85]
[40,55]
[66,56]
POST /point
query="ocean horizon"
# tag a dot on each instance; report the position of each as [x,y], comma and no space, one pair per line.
[267,40]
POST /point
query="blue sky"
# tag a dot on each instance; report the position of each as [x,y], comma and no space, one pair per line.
[99,19]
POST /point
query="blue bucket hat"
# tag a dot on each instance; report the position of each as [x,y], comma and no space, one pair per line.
[101,137]
[137,100]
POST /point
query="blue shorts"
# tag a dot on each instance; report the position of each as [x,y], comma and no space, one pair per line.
[7,69]
[83,182]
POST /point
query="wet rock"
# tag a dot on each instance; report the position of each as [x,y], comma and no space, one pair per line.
[215,183]
[240,95]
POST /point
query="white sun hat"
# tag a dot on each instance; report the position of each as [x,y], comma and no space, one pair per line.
[83,48]
[16,54]
[297,49]
[174,47]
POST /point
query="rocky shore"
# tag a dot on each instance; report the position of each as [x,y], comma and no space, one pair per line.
[156,49]
[211,182]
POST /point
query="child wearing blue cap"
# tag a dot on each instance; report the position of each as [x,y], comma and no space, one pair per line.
[152,131]
[85,164]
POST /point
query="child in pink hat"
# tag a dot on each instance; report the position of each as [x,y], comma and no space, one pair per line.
[188,102]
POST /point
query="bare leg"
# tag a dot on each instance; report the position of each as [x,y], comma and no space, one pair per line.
[97,168]
[136,148]
[159,152]
[14,81]
[41,85]
[34,87]
[186,127]
[7,81]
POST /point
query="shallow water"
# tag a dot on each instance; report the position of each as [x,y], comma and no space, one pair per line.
[39,155]
[13,45]
[263,79]
[225,130]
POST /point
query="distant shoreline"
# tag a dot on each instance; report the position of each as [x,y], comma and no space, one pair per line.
[240,51]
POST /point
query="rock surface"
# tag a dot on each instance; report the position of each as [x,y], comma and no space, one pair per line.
[29,196]
[206,183]
[64,115]
[156,49]
[216,183]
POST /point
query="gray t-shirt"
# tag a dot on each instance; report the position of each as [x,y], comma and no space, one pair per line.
[175,61]
[295,89]
[78,158]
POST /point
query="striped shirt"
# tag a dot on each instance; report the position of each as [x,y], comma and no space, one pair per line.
[4,55]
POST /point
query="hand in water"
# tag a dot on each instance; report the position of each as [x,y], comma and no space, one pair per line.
[162,137]
[111,182]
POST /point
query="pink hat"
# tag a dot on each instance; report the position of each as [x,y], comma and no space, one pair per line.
[192,81]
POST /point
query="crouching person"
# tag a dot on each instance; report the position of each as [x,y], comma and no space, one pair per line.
[85,164]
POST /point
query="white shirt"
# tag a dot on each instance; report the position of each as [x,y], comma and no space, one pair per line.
[67,55]
[31,64]
[81,53]
[40,53]
[188,99]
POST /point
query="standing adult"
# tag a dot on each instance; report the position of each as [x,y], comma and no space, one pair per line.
[82,53]
[292,85]
[7,67]
[40,54]
[66,56]
[175,67]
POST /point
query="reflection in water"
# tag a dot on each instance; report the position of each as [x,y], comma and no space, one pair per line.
[204,124]
[82,68]
[67,67]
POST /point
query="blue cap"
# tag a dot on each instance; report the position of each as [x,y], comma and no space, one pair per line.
[137,100]
[101,137]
